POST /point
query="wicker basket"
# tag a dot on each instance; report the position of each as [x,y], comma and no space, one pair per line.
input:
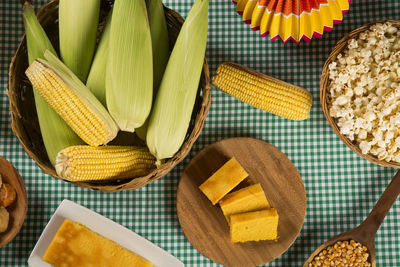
[24,120]
[340,46]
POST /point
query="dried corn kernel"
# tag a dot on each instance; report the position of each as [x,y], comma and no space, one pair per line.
[343,253]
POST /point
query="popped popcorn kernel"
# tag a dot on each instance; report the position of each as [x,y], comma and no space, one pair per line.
[365,91]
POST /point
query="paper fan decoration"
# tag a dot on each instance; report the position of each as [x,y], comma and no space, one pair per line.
[292,19]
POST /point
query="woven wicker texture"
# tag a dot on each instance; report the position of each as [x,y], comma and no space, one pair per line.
[24,119]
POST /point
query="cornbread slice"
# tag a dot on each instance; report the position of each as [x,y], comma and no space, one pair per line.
[250,198]
[76,245]
[254,226]
[223,180]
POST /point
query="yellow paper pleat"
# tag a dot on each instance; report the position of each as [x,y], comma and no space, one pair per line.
[317,24]
[266,22]
[344,4]
[289,28]
[257,16]
[248,10]
[335,10]
[326,16]
[275,27]
[241,4]
[305,25]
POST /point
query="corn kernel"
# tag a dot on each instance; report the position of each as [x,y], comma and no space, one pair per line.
[343,253]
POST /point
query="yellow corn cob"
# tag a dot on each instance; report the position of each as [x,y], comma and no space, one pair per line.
[88,163]
[263,92]
[73,102]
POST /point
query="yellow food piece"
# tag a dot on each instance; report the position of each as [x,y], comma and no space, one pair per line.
[76,245]
[263,92]
[254,226]
[250,198]
[4,219]
[223,180]
[85,163]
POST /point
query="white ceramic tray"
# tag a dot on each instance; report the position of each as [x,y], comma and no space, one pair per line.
[106,228]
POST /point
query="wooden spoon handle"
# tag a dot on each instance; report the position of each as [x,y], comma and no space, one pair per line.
[378,213]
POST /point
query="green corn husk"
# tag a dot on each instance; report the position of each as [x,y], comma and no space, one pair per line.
[159,39]
[174,103]
[96,80]
[78,21]
[56,134]
[129,79]
[160,43]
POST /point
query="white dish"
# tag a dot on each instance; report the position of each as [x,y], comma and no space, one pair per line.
[104,227]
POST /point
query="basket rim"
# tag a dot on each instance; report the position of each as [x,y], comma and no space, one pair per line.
[336,50]
[130,183]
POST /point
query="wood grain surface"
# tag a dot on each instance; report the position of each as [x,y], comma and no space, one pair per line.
[18,209]
[204,224]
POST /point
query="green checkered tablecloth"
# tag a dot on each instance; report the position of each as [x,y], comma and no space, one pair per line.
[341,187]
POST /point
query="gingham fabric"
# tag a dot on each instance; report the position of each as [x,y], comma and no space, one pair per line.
[341,187]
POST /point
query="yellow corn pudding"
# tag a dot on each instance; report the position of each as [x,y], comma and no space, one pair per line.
[76,245]
[223,180]
[254,226]
[250,198]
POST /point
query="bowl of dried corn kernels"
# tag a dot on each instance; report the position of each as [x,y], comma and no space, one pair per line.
[360,91]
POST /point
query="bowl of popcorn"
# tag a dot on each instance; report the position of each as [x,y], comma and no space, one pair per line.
[360,91]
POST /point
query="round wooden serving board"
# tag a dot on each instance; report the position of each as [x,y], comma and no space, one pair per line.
[204,224]
[18,209]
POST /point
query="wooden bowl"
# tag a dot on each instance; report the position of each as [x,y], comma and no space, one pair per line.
[18,209]
[24,119]
[325,97]
[204,224]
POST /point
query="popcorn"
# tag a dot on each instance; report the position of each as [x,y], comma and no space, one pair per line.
[365,91]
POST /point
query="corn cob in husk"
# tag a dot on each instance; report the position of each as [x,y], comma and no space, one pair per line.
[96,80]
[160,44]
[56,134]
[78,20]
[129,78]
[174,102]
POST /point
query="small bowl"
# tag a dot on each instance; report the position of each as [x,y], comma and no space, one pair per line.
[324,94]
[18,209]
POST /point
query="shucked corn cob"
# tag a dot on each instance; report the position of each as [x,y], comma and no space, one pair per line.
[56,134]
[72,100]
[87,163]
[263,92]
